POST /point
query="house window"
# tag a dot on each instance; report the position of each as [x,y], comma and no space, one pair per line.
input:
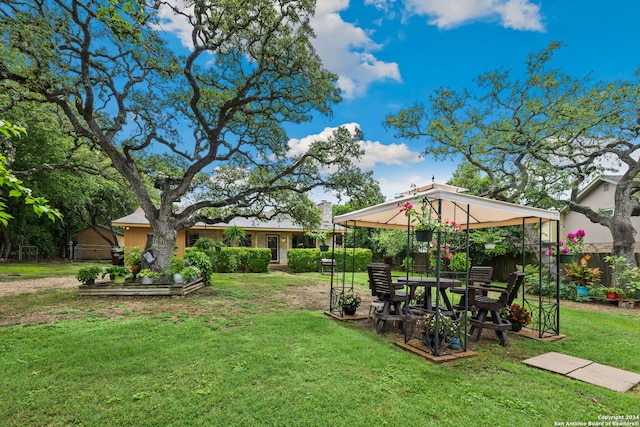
[192,238]
[301,242]
[605,186]
[246,241]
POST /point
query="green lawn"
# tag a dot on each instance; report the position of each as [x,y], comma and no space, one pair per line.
[240,354]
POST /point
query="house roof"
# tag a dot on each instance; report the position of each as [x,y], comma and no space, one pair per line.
[610,179]
[481,212]
[279,222]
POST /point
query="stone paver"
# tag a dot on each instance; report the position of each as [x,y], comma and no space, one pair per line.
[585,370]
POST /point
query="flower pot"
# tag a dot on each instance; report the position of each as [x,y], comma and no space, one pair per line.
[324,248]
[146,280]
[620,296]
[135,269]
[582,291]
[89,282]
[177,278]
[611,295]
[454,343]
[489,245]
[636,294]
[119,279]
[424,235]
[566,258]
[515,326]
[350,311]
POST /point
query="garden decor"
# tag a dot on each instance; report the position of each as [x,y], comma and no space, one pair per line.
[517,315]
[574,244]
[580,274]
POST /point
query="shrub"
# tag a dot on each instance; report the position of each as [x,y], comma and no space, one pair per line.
[230,260]
[202,261]
[357,261]
[303,260]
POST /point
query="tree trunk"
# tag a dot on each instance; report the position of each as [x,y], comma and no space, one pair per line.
[163,244]
[624,243]
[5,244]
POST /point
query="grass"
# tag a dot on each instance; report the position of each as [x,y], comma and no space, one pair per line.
[237,354]
[37,270]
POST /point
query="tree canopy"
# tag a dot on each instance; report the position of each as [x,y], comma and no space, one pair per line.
[541,138]
[216,113]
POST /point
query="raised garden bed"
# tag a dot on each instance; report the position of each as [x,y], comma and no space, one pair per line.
[161,289]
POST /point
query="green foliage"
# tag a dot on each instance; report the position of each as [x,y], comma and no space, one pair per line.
[459,262]
[579,273]
[303,260]
[133,256]
[201,260]
[355,260]
[204,243]
[233,235]
[88,273]
[228,260]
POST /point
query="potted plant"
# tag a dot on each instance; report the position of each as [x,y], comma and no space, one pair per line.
[428,324]
[190,273]
[176,265]
[489,238]
[133,258]
[425,220]
[349,302]
[568,248]
[582,276]
[147,276]
[517,315]
[117,273]
[88,275]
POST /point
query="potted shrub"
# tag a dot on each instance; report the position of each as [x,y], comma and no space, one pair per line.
[582,276]
[572,245]
[425,220]
[517,315]
[489,238]
[147,276]
[117,273]
[133,258]
[446,327]
[190,273]
[88,275]
[176,265]
[349,302]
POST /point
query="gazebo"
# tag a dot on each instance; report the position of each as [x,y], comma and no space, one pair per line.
[447,203]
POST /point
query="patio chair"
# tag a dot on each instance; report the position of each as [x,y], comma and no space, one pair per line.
[489,308]
[386,291]
[478,276]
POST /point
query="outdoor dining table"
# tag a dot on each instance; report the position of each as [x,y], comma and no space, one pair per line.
[429,283]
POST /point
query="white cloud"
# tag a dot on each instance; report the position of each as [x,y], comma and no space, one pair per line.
[374,151]
[346,50]
[516,14]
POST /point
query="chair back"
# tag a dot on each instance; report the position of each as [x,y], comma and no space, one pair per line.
[380,282]
[480,275]
[516,279]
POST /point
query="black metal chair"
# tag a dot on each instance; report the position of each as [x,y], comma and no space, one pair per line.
[489,308]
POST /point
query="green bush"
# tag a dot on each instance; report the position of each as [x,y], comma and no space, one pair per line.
[242,260]
[303,260]
[357,261]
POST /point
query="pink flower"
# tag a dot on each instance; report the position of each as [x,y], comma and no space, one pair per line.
[580,233]
[549,252]
[564,250]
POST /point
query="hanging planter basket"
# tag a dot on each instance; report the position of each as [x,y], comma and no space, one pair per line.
[424,235]
[565,258]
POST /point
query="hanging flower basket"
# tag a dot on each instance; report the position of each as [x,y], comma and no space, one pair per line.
[566,258]
[424,235]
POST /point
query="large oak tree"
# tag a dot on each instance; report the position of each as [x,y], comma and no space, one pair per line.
[216,113]
[540,138]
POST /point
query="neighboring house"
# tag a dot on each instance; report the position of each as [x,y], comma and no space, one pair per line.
[278,234]
[599,195]
[90,245]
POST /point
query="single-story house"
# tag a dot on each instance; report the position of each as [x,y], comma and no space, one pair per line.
[279,233]
[599,195]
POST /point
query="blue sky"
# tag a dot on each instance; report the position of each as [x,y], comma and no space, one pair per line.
[390,54]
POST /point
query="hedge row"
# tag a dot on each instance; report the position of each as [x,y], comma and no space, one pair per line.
[306,260]
[240,260]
